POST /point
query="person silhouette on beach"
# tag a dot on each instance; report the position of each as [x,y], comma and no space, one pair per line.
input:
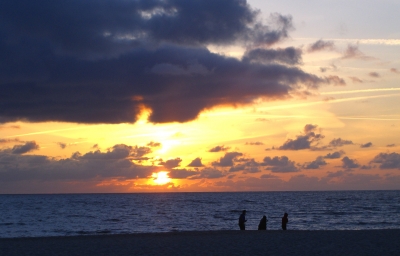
[242,220]
[284,221]
[263,223]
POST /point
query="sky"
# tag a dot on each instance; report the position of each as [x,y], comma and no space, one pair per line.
[131,96]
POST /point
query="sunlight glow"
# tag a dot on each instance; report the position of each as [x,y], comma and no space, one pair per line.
[160,178]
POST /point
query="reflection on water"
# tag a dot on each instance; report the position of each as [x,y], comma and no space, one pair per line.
[80,214]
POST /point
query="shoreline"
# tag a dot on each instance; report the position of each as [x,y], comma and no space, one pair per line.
[226,242]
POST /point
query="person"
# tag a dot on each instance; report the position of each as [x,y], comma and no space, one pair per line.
[242,220]
[263,223]
[284,221]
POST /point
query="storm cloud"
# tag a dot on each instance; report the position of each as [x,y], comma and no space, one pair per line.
[105,61]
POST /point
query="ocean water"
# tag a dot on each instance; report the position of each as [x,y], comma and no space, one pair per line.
[88,214]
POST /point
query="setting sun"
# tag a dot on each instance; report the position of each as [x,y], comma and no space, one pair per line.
[160,178]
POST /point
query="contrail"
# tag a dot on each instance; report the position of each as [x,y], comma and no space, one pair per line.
[364,90]
[329,101]
[43,132]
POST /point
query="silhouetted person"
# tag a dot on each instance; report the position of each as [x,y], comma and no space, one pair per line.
[284,221]
[242,220]
[263,223]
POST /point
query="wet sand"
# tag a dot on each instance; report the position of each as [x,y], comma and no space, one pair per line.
[270,242]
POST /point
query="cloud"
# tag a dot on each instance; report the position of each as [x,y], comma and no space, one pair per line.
[219,149]
[303,141]
[321,45]
[116,162]
[352,52]
[319,161]
[171,163]
[154,144]
[387,160]
[209,173]
[116,58]
[340,142]
[334,155]
[9,140]
[356,79]
[290,56]
[349,163]
[279,164]
[335,80]
[366,145]
[227,159]
[268,176]
[119,151]
[246,165]
[25,148]
[62,145]
[390,145]
[374,74]
[10,127]
[196,163]
[256,143]
[181,173]
[395,70]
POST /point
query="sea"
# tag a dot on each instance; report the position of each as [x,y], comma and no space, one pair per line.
[98,214]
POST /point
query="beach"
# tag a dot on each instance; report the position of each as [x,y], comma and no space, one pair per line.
[249,242]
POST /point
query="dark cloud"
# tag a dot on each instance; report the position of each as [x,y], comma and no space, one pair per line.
[261,35]
[335,80]
[181,173]
[356,79]
[8,140]
[113,163]
[27,147]
[387,160]
[374,74]
[171,163]
[334,155]
[246,165]
[119,151]
[196,163]
[315,164]
[227,159]
[352,52]
[303,141]
[106,61]
[349,163]
[62,145]
[390,145]
[209,173]
[339,142]
[257,143]
[219,149]
[321,45]
[268,176]
[279,164]
[395,70]
[290,55]
[366,145]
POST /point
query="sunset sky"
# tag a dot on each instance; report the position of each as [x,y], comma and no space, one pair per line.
[199,95]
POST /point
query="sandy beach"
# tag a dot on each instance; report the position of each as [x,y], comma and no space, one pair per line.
[270,242]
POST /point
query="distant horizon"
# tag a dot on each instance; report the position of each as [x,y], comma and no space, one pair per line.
[159,192]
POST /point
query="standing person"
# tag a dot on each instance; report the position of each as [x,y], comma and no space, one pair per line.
[263,223]
[242,220]
[284,221]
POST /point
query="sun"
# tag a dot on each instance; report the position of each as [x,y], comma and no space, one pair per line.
[160,178]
